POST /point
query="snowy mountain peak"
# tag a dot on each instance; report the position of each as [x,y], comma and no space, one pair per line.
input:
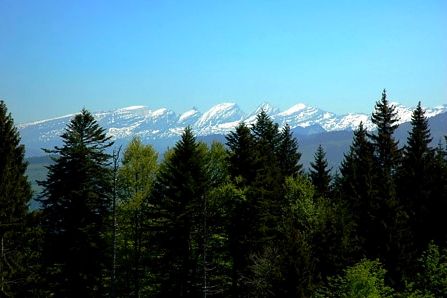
[266,107]
[164,124]
[220,113]
[188,115]
[294,109]
[132,108]
[161,112]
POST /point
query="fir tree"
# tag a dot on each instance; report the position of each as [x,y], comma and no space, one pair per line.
[320,174]
[438,196]
[386,147]
[15,195]
[266,191]
[288,154]
[388,235]
[243,168]
[241,153]
[263,157]
[415,179]
[180,194]
[357,187]
[266,131]
[76,208]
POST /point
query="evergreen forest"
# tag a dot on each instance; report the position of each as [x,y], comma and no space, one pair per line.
[241,218]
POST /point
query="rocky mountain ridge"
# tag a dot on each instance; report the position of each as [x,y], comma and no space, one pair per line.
[164,126]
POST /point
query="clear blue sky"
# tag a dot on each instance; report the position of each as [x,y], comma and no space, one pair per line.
[57,57]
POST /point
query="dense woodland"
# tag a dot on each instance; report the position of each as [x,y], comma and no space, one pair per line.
[240,219]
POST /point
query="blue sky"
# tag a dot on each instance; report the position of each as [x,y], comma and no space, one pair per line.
[57,57]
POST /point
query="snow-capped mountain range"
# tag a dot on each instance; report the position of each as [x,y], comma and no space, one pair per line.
[163,125]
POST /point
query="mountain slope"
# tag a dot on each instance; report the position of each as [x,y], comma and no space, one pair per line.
[163,127]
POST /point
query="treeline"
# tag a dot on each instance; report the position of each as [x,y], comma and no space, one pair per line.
[240,219]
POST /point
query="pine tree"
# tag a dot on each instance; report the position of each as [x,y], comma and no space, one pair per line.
[357,187]
[320,174]
[243,168]
[261,157]
[242,154]
[386,147]
[438,196]
[216,260]
[266,190]
[180,195]
[15,195]
[265,130]
[76,208]
[388,235]
[415,179]
[288,154]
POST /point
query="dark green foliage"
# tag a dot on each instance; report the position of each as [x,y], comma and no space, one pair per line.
[264,128]
[242,156]
[368,188]
[395,196]
[261,157]
[243,167]
[438,196]
[265,192]
[431,278]
[320,174]
[76,210]
[288,154]
[415,181]
[235,221]
[357,188]
[388,239]
[15,195]
[180,195]
[386,147]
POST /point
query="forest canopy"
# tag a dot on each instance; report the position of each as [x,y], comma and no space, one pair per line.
[236,219]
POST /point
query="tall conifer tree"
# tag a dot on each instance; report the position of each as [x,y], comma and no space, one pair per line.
[320,173]
[76,208]
[386,146]
[438,196]
[415,179]
[243,168]
[388,233]
[15,195]
[266,192]
[357,186]
[288,154]
[242,154]
[180,194]
[263,156]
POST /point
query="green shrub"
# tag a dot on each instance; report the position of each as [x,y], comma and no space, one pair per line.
[365,279]
[431,280]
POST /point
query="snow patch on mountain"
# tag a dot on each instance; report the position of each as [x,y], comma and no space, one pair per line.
[266,107]
[219,114]
[132,108]
[164,124]
[349,121]
[294,109]
[191,114]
